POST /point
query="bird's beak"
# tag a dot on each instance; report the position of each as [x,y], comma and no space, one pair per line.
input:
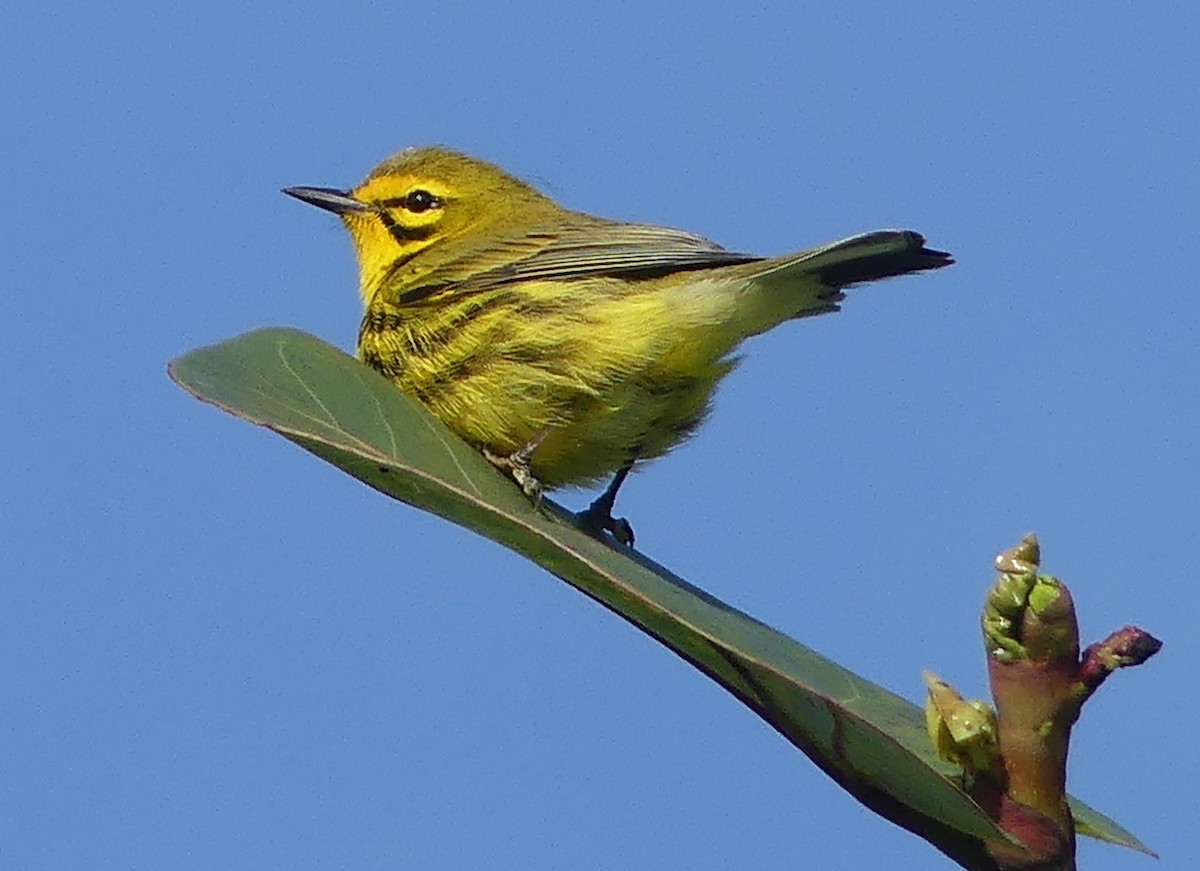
[329,199]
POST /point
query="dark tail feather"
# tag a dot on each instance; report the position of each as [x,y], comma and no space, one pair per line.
[884,253]
[811,282]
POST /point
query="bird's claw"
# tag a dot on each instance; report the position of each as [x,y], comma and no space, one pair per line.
[598,519]
[517,465]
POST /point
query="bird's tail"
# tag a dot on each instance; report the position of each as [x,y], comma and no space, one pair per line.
[811,282]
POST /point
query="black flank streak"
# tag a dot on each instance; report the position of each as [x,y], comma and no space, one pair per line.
[379,321]
[384,367]
[467,367]
[468,308]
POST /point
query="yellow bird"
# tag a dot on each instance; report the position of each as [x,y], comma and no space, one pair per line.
[564,346]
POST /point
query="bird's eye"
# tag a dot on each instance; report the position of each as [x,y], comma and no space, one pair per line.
[421,201]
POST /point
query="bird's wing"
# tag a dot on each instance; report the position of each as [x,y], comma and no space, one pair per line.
[577,249]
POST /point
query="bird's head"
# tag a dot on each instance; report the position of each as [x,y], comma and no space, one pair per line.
[422,201]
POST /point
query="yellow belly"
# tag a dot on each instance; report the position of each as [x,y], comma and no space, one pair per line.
[611,372]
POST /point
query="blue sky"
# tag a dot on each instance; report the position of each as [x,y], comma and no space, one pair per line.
[220,653]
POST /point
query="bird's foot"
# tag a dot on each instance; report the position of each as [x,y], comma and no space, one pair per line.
[516,464]
[601,520]
[597,517]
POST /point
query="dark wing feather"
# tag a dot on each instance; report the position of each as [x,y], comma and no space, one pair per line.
[585,247]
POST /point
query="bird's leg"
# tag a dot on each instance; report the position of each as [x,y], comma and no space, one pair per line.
[597,517]
[517,465]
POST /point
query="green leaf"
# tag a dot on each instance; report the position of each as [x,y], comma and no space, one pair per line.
[1093,824]
[870,741]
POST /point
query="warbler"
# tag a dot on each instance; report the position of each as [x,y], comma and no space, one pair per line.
[565,346]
